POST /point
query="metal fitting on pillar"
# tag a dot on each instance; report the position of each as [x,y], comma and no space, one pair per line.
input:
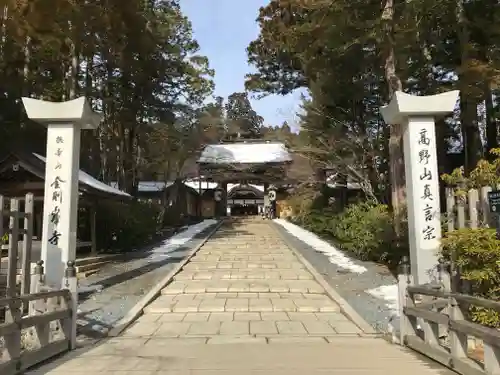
[39,271]
[70,270]
[442,267]
[404,266]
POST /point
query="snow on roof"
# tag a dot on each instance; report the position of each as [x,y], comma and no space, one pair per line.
[245,153]
[231,187]
[157,186]
[331,182]
[195,184]
[92,182]
[147,186]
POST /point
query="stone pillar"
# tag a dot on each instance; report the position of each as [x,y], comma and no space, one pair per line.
[218,196]
[266,198]
[224,199]
[272,190]
[417,114]
[64,122]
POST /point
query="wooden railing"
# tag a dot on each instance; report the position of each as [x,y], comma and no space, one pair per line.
[38,326]
[434,322]
[36,323]
[470,209]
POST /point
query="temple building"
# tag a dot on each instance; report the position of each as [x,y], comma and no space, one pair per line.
[243,172]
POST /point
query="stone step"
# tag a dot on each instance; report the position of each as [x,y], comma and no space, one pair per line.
[244,275]
[243,258]
[272,295]
[91,266]
[254,265]
[172,304]
[83,275]
[97,259]
[237,252]
[262,286]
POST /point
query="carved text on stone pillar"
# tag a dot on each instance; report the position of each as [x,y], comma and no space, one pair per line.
[426,158]
[57,194]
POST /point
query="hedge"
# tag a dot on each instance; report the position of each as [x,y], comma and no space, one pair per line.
[126,226]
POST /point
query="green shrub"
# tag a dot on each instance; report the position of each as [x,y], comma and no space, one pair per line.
[126,226]
[477,253]
[365,230]
[319,222]
[362,229]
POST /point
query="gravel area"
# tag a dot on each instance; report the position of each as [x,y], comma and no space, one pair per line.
[114,290]
[351,286]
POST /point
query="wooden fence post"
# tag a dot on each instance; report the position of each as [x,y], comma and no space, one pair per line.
[461,212]
[13,311]
[27,244]
[40,306]
[450,208]
[485,206]
[13,248]
[473,198]
[70,282]
[404,280]
[37,282]
[445,282]
[458,340]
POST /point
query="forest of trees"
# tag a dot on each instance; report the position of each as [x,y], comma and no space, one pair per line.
[351,55]
[137,63]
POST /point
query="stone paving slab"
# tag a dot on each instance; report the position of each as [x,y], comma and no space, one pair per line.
[231,355]
[244,274]
[247,285]
[243,265]
[262,294]
[243,326]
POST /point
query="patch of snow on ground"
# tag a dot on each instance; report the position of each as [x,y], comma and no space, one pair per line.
[334,256]
[175,242]
[388,293]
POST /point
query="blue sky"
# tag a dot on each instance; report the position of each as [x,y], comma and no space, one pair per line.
[224,28]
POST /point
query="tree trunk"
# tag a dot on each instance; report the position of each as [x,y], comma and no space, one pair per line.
[108,109]
[491,121]
[90,138]
[473,148]
[3,37]
[74,63]
[25,89]
[396,164]
[120,158]
[26,69]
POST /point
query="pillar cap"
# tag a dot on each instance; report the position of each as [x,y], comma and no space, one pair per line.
[405,105]
[77,111]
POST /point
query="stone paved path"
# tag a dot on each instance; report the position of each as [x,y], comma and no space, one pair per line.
[122,284]
[244,285]
[244,304]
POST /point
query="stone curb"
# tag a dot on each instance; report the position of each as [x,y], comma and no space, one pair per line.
[344,305]
[138,308]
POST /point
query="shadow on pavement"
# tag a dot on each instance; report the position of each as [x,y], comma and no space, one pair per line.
[111,274]
[86,326]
